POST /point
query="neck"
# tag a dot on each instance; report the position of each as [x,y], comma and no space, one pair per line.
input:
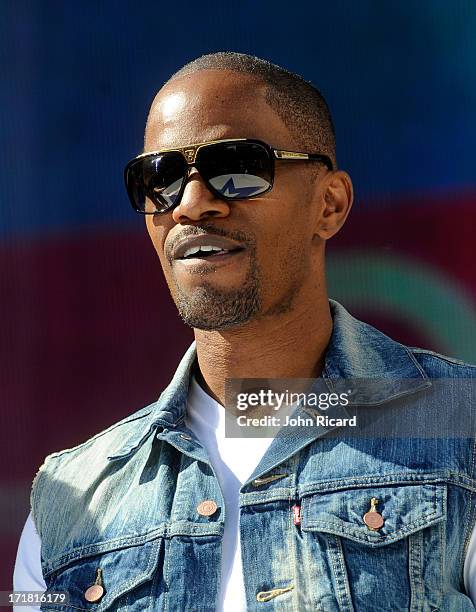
[289,345]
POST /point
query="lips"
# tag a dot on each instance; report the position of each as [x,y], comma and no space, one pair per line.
[211,243]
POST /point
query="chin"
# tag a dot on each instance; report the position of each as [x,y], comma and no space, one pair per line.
[212,310]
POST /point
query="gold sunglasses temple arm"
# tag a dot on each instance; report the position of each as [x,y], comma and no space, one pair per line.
[290,154]
[294,155]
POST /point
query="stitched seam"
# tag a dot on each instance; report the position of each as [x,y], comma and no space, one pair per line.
[415,361]
[133,582]
[345,579]
[442,549]
[473,459]
[471,522]
[129,419]
[450,360]
[420,523]
[411,575]
[167,574]
[470,517]
[421,519]
[414,562]
[57,563]
[420,536]
[264,496]
[293,560]
[112,545]
[336,576]
[334,553]
[397,395]
[451,478]
[454,478]
[397,478]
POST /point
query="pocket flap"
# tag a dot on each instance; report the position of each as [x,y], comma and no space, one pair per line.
[404,509]
[123,569]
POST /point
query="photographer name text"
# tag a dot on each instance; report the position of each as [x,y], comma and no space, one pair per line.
[297,421]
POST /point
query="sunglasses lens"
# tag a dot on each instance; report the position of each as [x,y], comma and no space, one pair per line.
[236,170]
[154,182]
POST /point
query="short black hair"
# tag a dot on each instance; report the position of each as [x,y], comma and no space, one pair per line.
[298,103]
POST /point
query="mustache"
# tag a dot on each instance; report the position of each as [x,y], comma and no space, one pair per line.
[205,229]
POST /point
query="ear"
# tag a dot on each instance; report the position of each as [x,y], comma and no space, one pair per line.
[337,195]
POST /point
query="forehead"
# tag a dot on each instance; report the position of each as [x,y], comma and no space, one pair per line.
[209,105]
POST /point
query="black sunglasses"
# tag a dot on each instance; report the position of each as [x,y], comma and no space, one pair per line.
[235,169]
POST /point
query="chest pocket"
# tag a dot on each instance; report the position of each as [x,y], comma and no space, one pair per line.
[127,574]
[378,548]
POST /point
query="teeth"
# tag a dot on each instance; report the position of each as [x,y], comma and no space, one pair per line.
[191,251]
[204,248]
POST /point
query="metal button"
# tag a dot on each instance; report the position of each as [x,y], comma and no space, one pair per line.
[96,590]
[373,519]
[185,436]
[94,593]
[207,507]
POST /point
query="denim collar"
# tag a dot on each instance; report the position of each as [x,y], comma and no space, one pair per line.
[356,351]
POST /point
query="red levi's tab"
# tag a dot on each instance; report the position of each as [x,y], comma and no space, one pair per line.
[296,514]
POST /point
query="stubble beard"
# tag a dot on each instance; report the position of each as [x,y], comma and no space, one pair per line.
[213,309]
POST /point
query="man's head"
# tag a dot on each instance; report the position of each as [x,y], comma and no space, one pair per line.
[282,232]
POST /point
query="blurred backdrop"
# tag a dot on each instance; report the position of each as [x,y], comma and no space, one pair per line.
[88,331]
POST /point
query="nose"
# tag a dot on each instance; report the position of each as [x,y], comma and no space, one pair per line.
[198,202]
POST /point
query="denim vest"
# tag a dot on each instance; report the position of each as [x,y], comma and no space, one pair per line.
[126,502]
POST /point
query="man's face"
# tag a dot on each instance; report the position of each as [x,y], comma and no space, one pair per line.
[275,229]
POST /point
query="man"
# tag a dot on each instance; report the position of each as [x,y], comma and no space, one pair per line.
[162,511]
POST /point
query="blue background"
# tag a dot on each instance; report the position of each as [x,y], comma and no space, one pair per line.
[77,80]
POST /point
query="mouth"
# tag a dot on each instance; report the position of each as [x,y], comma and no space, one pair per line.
[206,247]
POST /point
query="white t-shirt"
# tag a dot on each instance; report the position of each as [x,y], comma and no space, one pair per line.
[206,418]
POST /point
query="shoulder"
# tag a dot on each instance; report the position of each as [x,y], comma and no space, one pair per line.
[80,464]
[107,437]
